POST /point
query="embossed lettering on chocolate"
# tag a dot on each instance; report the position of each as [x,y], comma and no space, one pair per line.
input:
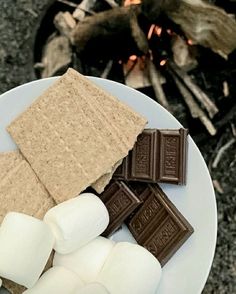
[158,225]
[120,202]
[158,156]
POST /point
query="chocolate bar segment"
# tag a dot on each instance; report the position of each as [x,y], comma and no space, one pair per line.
[172,156]
[159,226]
[140,189]
[158,156]
[121,172]
[120,202]
[143,157]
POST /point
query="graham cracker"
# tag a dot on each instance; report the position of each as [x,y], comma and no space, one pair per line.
[104,180]
[49,262]
[21,191]
[125,121]
[74,133]
[12,287]
[9,160]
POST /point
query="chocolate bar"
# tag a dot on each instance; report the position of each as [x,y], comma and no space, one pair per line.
[120,202]
[158,156]
[158,225]
[140,189]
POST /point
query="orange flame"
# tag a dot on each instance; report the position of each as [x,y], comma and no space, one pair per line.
[130,2]
[154,29]
[158,30]
[163,62]
[133,57]
[150,32]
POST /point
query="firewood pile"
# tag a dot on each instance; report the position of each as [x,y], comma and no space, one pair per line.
[154,43]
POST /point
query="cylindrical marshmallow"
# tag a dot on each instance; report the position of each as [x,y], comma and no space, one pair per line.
[77,221]
[93,288]
[87,261]
[25,246]
[129,269]
[58,280]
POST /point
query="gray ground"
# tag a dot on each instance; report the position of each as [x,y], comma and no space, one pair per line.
[18,25]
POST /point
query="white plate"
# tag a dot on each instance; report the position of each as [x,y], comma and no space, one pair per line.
[188,269]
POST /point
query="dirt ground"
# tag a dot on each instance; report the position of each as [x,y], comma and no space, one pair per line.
[19,21]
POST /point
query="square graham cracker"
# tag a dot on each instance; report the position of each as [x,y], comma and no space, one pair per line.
[21,191]
[9,160]
[104,180]
[74,133]
[12,287]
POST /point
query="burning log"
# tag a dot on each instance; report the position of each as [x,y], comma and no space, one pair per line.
[112,3]
[195,110]
[202,23]
[109,32]
[107,69]
[153,8]
[57,56]
[64,22]
[84,7]
[155,78]
[138,34]
[181,54]
[222,151]
[198,93]
[136,72]
[206,25]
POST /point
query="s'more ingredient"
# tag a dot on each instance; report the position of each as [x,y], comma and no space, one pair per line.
[93,288]
[87,261]
[120,202]
[77,221]
[57,280]
[25,246]
[74,133]
[130,268]
[104,180]
[13,287]
[21,191]
[164,229]
[159,156]
[9,160]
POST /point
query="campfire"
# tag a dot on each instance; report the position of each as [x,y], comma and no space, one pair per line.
[159,47]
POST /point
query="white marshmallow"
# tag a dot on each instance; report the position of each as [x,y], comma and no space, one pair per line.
[57,280]
[93,288]
[77,221]
[129,269]
[25,246]
[87,261]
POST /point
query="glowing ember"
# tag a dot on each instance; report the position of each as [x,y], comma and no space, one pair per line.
[163,62]
[130,2]
[169,31]
[190,42]
[154,30]
[133,57]
[151,30]
[158,31]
